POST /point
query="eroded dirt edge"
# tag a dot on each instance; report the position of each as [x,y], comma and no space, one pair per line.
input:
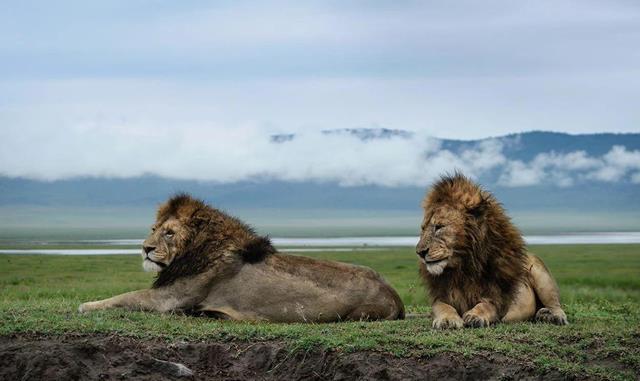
[104,357]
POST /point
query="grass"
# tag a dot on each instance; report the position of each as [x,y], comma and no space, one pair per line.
[600,286]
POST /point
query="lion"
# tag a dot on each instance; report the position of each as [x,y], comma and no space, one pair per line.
[212,264]
[475,264]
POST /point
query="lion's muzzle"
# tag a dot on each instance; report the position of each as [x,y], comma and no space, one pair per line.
[162,265]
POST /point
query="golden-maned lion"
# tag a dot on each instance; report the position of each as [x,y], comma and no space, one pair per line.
[475,264]
[209,262]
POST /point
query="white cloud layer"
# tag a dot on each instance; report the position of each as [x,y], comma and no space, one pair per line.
[229,155]
[565,169]
[139,144]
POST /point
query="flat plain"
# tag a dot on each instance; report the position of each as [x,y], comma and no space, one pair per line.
[600,289]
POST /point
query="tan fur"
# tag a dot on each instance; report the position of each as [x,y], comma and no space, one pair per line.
[474,262]
[211,263]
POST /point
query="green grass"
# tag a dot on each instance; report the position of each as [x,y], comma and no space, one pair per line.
[600,287]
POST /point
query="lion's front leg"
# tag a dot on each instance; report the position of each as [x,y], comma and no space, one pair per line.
[482,315]
[523,305]
[147,300]
[547,291]
[182,294]
[445,316]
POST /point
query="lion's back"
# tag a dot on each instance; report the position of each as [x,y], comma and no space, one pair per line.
[346,277]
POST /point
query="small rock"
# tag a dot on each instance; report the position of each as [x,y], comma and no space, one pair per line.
[173,368]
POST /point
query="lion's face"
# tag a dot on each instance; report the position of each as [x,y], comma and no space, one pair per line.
[443,229]
[162,245]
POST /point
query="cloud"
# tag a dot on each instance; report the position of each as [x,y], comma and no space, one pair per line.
[498,67]
[156,129]
[287,38]
[122,148]
[62,129]
[113,145]
[194,90]
[519,174]
[565,169]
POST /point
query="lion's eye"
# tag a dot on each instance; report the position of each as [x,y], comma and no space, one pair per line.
[169,233]
[437,227]
[153,229]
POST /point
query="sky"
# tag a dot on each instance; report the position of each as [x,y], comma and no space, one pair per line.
[194,89]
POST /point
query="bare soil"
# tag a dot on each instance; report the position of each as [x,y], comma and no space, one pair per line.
[99,357]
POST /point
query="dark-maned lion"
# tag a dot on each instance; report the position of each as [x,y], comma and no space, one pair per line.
[475,264]
[209,262]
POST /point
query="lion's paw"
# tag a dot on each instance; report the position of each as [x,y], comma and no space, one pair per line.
[475,321]
[553,316]
[448,322]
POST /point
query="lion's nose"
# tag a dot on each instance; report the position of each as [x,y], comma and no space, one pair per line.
[148,249]
[422,253]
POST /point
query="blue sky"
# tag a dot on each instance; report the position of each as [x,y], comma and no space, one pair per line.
[103,78]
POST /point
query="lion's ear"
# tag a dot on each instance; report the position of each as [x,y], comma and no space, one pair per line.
[478,208]
[477,212]
[198,218]
[256,249]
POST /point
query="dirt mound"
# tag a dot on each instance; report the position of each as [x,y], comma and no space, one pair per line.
[118,358]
